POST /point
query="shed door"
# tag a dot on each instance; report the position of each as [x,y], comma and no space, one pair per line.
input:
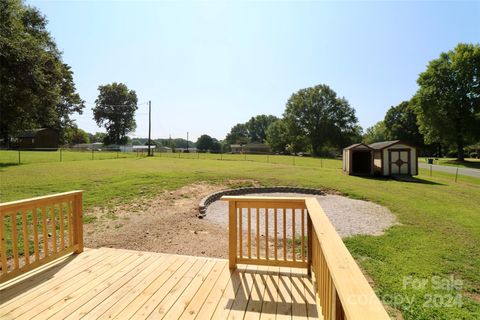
[399,161]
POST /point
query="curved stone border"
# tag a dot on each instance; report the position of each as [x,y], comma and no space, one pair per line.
[206,201]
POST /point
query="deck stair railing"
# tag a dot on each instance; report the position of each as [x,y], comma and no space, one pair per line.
[295,232]
[36,231]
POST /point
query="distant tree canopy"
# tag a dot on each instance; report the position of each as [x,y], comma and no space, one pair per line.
[375,133]
[115,110]
[238,134]
[324,119]
[400,123]
[74,135]
[204,142]
[254,130]
[278,136]
[36,87]
[174,142]
[97,137]
[448,100]
[257,127]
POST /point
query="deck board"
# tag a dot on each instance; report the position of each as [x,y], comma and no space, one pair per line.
[123,284]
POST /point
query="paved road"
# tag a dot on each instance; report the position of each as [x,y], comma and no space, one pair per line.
[463,171]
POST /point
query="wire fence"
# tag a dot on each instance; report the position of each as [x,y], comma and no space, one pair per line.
[41,155]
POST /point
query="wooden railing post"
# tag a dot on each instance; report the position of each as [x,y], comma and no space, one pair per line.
[78,222]
[232,232]
[309,245]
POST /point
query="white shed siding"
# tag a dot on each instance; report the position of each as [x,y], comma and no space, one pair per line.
[346,161]
[412,160]
[385,162]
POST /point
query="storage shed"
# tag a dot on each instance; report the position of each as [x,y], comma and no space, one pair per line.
[44,138]
[381,158]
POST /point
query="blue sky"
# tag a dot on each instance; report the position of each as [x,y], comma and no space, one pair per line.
[209,65]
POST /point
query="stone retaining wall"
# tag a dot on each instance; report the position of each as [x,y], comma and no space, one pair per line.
[205,202]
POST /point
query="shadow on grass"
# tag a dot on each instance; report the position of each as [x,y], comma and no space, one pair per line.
[8,164]
[407,179]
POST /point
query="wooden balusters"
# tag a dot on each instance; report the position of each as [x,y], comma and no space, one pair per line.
[21,247]
[266,223]
[266,233]
[249,239]
[284,234]
[338,280]
[3,245]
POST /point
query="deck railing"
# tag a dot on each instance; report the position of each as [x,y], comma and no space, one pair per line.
[295,232]
[36,231]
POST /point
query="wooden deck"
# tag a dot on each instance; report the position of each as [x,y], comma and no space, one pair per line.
[113,283]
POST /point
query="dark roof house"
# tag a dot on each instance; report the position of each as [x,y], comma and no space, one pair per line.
[43,138]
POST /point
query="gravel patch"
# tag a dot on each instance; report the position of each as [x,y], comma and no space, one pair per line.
[348,216]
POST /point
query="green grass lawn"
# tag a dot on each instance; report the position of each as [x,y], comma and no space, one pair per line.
[13,157]
[468,163]
[438,235]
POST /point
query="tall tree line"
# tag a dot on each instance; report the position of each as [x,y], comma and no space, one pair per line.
[445,110]
[315,120]
[36,86]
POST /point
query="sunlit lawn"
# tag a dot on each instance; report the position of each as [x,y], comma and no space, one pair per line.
[438,234]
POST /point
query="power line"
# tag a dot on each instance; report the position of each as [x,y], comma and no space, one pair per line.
[116,105]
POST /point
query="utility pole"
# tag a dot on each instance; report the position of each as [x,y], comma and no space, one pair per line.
[149,126]
[187,141]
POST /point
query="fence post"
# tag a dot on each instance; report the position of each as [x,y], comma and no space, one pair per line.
[267,158]
[78,222]
[456,175]
[430,170]
[60,154]
[92,153]
[232,234]
[321,163]
[117,154]
[19,161]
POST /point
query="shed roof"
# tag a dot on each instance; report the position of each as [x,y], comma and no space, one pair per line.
[385,144]
[29,133]
[353,146]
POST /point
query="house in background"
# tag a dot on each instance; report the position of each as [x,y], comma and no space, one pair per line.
[384,158]
[252,147]
[43,138]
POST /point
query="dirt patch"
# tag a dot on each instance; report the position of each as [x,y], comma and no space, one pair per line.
[167,223]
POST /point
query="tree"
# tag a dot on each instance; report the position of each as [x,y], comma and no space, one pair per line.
[216,146]
[204,142]
[277,136]
[97,137]
[115,110]
[76,135]
[36,87]
[401,124]
[320,116]
[238,134]
[448,100]
[257,127]
[375,133]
